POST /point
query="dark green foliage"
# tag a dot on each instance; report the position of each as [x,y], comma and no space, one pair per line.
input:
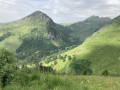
[54,57]
[64,59]
[60,57]
[84,72]
[65,34]
[47,60]
[74,57]
[65,56]
[40,64]
[7,67]
[44,69]
[33,42]
[69,58]
[105,72]
[55,62]
[81,66]
[35,45]
[4,36]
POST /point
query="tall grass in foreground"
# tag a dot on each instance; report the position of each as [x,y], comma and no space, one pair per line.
[37,81]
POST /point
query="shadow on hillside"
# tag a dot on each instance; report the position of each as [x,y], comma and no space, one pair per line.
[105,57]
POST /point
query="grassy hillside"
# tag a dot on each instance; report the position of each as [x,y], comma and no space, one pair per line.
[102,49]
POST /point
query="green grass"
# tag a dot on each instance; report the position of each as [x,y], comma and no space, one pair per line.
[95,82]
[59,82]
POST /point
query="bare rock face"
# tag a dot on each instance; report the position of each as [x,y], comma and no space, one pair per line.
[50,36]
[52,31]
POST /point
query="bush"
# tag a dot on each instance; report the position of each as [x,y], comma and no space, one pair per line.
[44,69]
[69,58]
[84,72]
[65,56]
[64,59]
[54,57]
[60,57]
[105,72]
[7,67]
[74,58]
[55,62]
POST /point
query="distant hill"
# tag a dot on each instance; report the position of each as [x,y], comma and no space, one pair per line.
[84,29]
[102,49]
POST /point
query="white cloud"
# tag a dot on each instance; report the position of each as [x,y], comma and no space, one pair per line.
[113,2]
[59,10]
[55,11]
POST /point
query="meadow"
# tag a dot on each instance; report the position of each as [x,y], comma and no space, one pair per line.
[66,82]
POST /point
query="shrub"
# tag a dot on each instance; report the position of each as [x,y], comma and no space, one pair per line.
[44,69]
[84,72]
[74,58]
[54,57]
[105,72]
[64,59]
[69,58]
[60,57]
[65,56]
[55,62]
[7,67]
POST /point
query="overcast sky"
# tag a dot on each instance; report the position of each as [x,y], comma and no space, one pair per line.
[61,11]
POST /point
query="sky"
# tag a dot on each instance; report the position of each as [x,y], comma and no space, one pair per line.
[61,11]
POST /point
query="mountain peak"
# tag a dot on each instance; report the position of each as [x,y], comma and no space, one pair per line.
[96,18]
[37,15]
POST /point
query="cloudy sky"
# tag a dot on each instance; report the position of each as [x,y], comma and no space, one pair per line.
[61,11]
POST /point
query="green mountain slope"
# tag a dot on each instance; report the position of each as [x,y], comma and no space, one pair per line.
[86,28]
[36,36]
[71,36]
[102,50]
[34,33]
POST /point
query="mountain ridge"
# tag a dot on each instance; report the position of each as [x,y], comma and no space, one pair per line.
[83,29]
